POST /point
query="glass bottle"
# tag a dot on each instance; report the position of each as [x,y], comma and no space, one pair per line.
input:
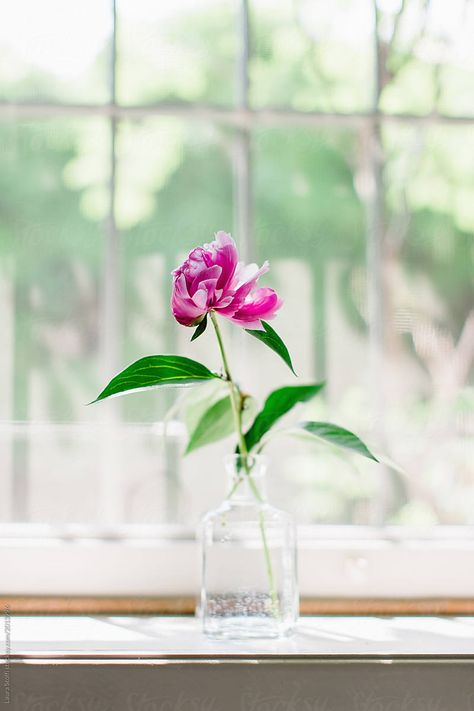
[249,586]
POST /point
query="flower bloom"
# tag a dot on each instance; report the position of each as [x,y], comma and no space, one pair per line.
[212,278]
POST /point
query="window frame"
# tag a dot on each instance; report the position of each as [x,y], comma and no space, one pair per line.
[343,562]
[340,561]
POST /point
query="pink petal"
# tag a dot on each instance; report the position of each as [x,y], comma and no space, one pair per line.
[183,307]
[180,286]
[250,325]
[212,277]
[206,274]
[224,253]
[262,304]
[244,281]
[248,273]
[200,299]
[194,263]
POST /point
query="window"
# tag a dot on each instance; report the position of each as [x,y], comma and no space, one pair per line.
[335,139]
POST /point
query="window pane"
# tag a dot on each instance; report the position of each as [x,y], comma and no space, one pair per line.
[63,462]
[310,223]
[53,184]
[55,50]
[312,55]
[428,271]
[181,51]
[174,190]
[429,57]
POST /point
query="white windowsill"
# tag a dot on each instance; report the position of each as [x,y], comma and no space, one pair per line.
[141,638]
[345,561]
[165,664]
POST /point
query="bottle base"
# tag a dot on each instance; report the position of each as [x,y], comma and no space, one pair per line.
[241,627]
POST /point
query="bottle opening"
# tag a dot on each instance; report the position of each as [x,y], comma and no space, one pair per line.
[246,477]
[250,463]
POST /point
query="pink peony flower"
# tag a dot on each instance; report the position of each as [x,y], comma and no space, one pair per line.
[212,278]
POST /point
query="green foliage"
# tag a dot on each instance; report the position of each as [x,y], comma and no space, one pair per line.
[195,401]
[337,436]
[277,404]
[271,339]
[216,423]
[200,328]
[157,371]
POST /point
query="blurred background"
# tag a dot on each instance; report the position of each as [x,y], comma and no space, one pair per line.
[334,139]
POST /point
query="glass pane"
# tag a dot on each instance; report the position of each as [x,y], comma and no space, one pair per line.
[429,268]
[53,183]
[55,50]
[181,51]
[429,56]
[310,223]
[312,54]
[174,191]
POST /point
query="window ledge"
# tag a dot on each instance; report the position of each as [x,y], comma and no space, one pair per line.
[175,638]
[165,664]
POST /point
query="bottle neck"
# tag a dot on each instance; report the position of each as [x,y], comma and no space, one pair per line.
[246,479]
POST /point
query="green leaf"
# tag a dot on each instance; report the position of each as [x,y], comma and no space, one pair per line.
[271,339]
[277,404]
[197,400]
[338,436]
[216,423]
[157,371]
[200,329]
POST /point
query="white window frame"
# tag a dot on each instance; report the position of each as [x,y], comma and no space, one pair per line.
[333,561]
[341,561]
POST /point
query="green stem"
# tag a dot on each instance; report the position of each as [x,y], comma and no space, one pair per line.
[266,550]
[237,413]
[268,564]
[236,406]
[234,488]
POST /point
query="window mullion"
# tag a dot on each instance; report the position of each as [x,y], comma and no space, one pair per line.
[111,494]
[242,157]
[376,297]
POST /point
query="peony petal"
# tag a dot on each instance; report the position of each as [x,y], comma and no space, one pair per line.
[184,309]
[224,253]
[185,312]
[206,274]
[262,304]
[180,286]
[209,286]
[247,277]
[224,301]
[250,325]
[212,277]
[195,262]
[248,273]
[200,299]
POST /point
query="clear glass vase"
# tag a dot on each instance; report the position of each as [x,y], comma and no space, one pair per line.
[249,586]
